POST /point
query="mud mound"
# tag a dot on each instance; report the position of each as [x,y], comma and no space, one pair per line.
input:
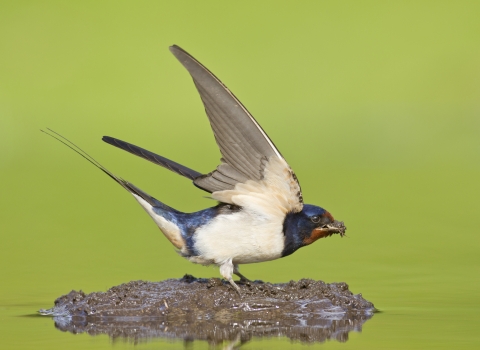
[209,309]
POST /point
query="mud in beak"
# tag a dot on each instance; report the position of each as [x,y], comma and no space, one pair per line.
[333,228]
[326,231]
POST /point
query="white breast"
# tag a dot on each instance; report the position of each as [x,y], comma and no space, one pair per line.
[245,237]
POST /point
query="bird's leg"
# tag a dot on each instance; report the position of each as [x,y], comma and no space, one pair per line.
[226,270]
[236,271]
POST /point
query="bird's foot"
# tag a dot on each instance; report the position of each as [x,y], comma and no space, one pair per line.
[243,279]
[226,270]
[234,285]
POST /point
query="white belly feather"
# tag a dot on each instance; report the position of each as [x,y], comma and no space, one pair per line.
[245,237]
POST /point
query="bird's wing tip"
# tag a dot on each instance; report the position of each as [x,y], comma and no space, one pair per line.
[175,49]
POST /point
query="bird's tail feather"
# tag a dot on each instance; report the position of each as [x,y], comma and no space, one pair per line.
[154,158]
[125,184]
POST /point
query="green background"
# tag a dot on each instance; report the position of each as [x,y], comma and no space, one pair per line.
[375,104]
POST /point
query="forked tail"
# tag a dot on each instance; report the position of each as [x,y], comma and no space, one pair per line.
[164,216]
[125,184]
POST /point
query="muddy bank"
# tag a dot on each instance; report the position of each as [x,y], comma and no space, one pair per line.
[209,309]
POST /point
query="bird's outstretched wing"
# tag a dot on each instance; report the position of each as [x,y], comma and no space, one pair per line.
[252,171]
[251,164]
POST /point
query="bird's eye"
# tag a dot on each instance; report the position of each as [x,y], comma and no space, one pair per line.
[315,219]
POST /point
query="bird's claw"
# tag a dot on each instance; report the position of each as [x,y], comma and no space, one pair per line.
[237,288]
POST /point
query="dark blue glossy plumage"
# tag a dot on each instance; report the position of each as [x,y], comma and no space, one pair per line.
[299,226]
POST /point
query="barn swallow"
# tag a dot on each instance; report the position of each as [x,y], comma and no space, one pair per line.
[260,215]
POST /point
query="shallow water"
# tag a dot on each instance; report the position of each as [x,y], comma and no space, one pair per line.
[445,318]
[211,310]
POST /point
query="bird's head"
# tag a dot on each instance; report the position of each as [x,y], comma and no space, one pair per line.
[309,225]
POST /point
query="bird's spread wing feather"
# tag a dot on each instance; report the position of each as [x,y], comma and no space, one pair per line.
[252,168]
[277,194]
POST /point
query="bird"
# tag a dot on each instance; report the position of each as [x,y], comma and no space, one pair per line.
[260,215]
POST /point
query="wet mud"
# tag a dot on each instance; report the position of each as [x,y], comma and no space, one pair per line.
[209,309]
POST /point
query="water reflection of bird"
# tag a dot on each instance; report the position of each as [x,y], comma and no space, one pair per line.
[260,216]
